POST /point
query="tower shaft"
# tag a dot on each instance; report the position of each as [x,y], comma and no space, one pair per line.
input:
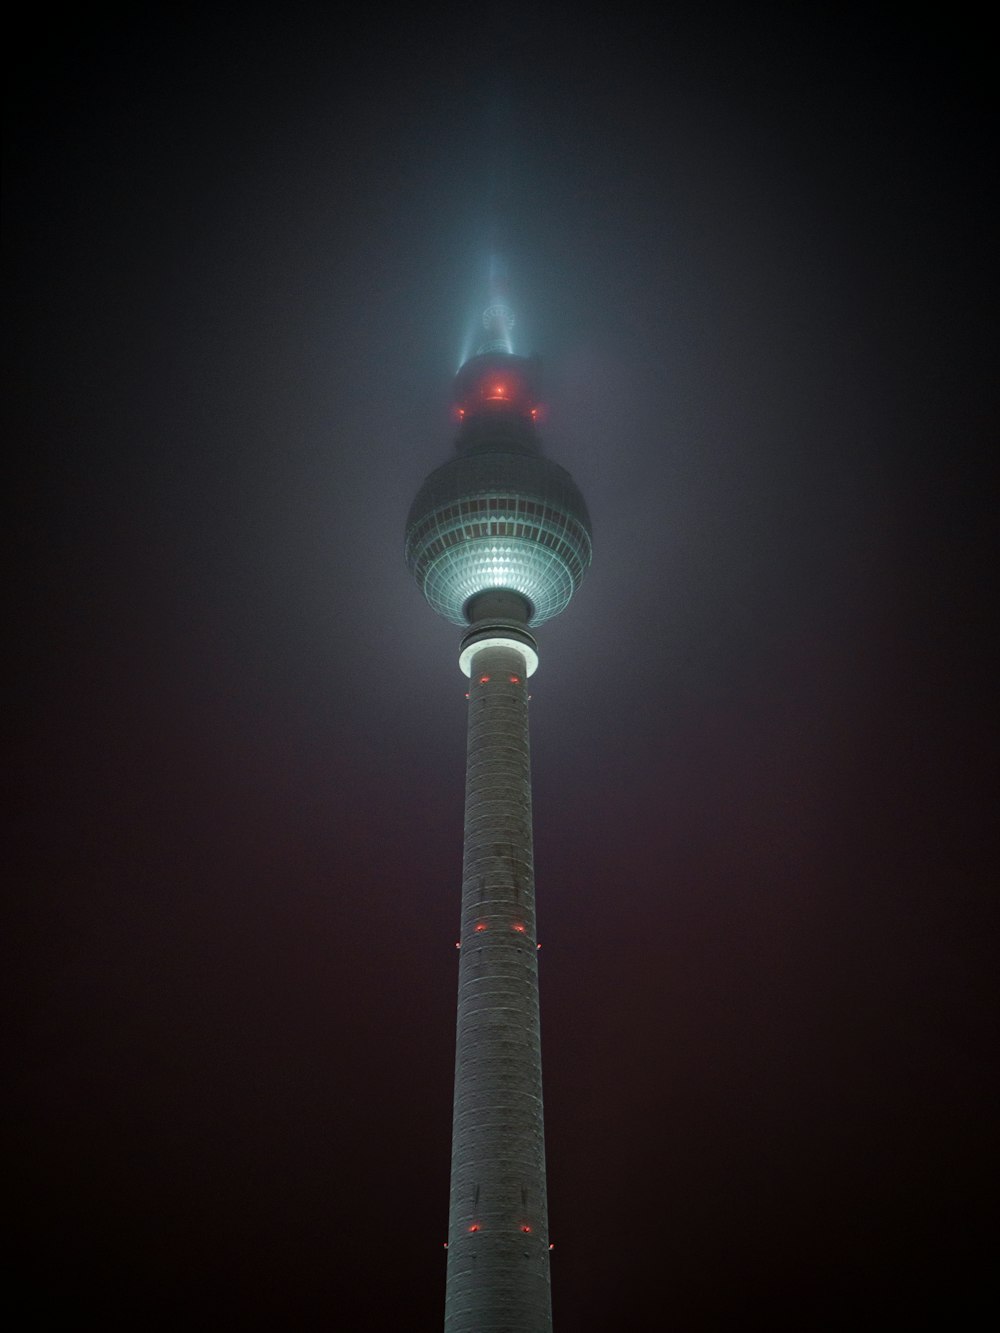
[498,1243]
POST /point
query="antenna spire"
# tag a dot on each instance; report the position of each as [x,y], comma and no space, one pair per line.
[498,318]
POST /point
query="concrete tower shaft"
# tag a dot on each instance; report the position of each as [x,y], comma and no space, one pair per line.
[498,1245]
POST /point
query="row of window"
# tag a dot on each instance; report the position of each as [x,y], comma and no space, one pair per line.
[569,553]
[500,528]
[496,504]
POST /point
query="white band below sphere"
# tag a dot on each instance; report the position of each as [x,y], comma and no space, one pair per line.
[500,640]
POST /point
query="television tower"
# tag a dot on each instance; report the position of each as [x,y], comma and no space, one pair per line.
[498,540]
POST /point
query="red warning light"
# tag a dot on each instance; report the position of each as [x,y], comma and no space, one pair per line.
[519,927]
[525,1228]
[552,1247]
[483,680]
[480,925]
[474,1227]
[515,680]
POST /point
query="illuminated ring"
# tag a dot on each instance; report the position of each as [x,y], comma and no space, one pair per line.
[498,636]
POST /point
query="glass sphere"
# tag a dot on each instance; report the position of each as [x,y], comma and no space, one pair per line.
[499,515]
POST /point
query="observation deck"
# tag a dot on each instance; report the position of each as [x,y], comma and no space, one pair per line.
[499,515]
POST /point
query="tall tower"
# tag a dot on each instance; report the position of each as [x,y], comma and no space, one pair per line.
[498,540]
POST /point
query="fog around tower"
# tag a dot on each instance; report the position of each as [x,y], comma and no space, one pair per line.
[753,251]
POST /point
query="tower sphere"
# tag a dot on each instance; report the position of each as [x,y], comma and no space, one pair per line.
[499,516]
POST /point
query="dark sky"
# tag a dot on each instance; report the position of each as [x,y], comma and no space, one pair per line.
[755,255]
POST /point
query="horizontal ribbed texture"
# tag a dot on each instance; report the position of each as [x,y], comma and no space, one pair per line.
[498,1257]
[497,519]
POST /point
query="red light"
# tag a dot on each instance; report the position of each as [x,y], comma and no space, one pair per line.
[534,414]
[538,946]
[480,925]
[552,1247]
[474,1227]
[458,944]
[519,927]
[461,413]
[483,680]
[446,1245]
[515,680]
[526,1228]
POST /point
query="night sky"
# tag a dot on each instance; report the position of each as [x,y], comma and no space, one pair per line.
[754,250]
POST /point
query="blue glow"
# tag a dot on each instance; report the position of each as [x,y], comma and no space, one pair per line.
[498,521]
[469,340]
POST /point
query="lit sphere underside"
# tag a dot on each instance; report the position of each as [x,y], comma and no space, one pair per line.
[498,520]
